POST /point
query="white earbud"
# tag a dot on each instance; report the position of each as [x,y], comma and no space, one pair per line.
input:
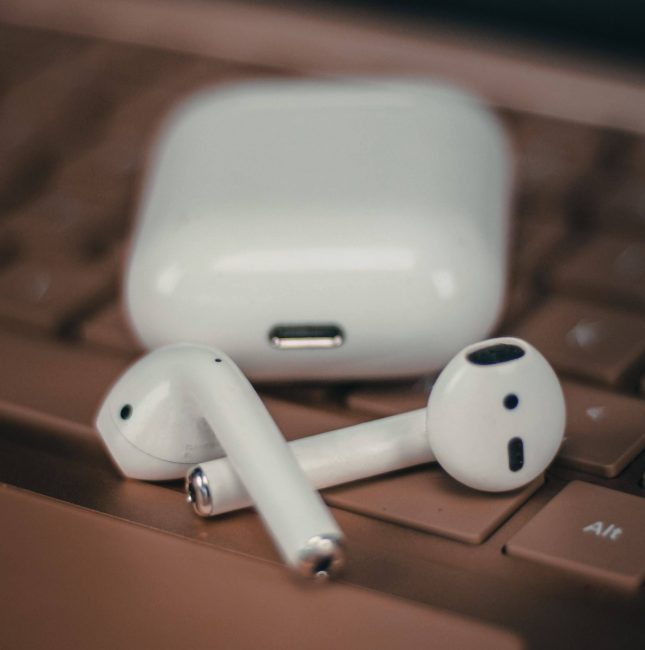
[183,403]
[496,415]
[495,420]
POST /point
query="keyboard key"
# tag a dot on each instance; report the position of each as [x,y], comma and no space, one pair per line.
[8,248]
[616,198]
[29,133]
[381,401]
[58,227]
[428,499]
[50,296]
[608,268]
[46,107]
[620,153]
[51,384]
[23,52]
[621,206]
[102,175]
[298,421]
[537,241]
[110,329]
[586,340]
[41,101]
[591,531]
[136,118]
[521,296]
[57,111]
[69,99]
[553,154]
[65,568]
[605,431]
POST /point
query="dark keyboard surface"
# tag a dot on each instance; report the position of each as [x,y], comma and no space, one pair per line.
[558,564]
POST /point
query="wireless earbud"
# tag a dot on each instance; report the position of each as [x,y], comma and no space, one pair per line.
[496,415]
[183,403]
[495,420]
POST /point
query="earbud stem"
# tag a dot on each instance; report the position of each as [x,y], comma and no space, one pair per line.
[291,509]
[331,458]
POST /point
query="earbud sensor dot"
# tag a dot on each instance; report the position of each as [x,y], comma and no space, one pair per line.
[511,401]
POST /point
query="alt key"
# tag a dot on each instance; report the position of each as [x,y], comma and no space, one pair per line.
[591,531]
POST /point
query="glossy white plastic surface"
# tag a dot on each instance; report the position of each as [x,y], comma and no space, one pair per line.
[335,457]
[379,207]
[466,428]
[176,400]
[469,426]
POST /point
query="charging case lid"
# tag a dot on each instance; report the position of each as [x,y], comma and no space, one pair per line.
[323,229]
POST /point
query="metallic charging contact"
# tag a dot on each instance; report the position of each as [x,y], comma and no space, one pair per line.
[198,492]
[321,558]
[306,337]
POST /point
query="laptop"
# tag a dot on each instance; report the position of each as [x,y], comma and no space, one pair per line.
[90,559]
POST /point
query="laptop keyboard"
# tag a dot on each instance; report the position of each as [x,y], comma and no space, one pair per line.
[558,563]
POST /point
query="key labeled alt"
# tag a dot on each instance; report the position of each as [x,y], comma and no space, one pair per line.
[599,529]
[577,532]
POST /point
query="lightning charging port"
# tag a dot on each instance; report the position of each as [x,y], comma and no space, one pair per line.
[306,337]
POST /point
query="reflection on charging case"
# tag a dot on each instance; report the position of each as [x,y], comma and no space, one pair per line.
[324,229]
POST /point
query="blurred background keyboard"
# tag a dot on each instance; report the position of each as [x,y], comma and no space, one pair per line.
[89,559]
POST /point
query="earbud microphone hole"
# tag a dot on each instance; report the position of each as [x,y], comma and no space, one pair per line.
[511,401]
[321,569]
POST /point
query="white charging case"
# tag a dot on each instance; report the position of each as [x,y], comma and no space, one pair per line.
[324,229]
